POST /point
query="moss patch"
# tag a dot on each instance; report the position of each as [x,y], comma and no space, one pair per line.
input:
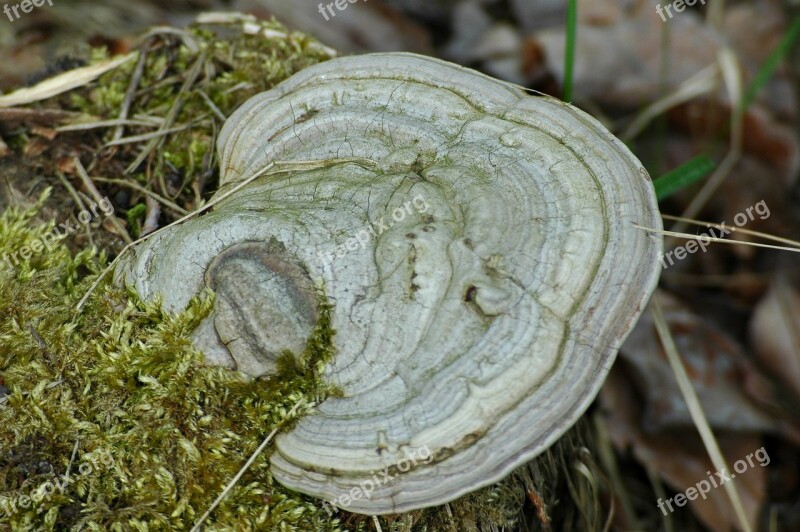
[121,382]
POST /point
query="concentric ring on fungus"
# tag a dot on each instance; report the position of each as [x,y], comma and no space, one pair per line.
[479,325]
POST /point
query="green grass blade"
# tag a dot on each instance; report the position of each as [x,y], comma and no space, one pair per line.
[569,54]
[689,172]
[768,68]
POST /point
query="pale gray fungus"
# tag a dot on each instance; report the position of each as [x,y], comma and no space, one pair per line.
[479,329]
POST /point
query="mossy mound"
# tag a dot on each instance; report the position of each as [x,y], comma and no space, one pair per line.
[108,418]
[121,380]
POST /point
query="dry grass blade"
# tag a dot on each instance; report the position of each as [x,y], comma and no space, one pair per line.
[704,238]
[765,236]
[131,92]
[149,136]
[731,73]
[608,458]
[696,409]
[697,85]
[104,123]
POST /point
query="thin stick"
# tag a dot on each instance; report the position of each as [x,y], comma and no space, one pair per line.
[83,126]
[136,186]
[152,135]
[87,182]
[696,409]
[131,92]
[211,105]
[177,105]
[286,166]
[244,468]
[71,190]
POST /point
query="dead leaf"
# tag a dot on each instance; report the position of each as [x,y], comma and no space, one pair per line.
[63,82]
[775,330]
[715,363]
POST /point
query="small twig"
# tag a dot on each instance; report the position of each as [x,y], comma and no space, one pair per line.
[136,186]
[154,134]
[43,117]
[244,468]
[71,190]
[105,123]
[131,92]
[87,182]
[78,201]
[450,517]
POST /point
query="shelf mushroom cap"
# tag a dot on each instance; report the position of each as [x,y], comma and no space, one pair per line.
[483,272]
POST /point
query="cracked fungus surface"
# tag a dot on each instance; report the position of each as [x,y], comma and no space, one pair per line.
[482,270]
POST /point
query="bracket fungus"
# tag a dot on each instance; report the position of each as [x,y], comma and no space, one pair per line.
[477,247]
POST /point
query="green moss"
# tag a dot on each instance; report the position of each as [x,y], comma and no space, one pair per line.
[121,380]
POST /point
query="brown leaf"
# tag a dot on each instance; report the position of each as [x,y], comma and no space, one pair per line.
[715,363]
[775,329]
